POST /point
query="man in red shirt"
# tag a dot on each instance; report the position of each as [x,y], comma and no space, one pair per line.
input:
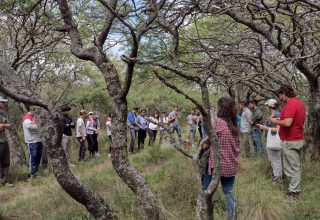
[291,123]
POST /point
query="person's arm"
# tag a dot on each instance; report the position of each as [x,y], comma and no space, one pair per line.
[5,126]
[89,126]
[286,122]
[131,119]
[30,124]
[266,128]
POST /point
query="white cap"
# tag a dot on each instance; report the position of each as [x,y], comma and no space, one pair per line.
[271,102]
[90,113]
[3,99]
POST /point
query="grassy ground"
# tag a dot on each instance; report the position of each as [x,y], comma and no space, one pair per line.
[171,176]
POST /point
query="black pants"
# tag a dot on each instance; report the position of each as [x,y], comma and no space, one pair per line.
[82,149]
[95,143]
[110,138]
[142,134]
[152,136]
[4,155]
[90,144]
[200,132]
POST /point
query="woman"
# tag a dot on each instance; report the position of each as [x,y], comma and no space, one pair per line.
[143,125]
[153,127]
[274,156]
[227,132]
[90,133]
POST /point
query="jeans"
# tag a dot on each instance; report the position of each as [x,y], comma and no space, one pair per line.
[227,187]
[176,128]
[246,143]
[256,135]
[95,143]
[163,136]
[35,153]
[191,134]
[203,130]
[152,136]
[132,138]
[67,146]
[90,144]
[82,149]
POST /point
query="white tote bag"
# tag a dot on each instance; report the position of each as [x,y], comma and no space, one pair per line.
[273,141]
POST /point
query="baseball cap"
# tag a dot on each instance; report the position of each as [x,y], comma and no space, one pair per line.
[271,102]
[3,99]
[66,108]
[90,113]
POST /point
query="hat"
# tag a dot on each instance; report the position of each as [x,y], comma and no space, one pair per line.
[65,108]
[90,113]
[271,102]
[3,99]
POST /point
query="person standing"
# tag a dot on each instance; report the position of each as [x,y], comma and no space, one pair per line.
[245,129]
[132,126]
[4,147]
[67,139]
[96,126]
[200,124]
[153,127]
[227,132]
[33,141]
[291,122]
[191,129]
[109,133]
[90,129]
[163,121]
[274,156]
[81,135]
[256,132]
[143,126]
[174,120]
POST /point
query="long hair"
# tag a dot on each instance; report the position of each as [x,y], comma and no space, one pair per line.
[227,110]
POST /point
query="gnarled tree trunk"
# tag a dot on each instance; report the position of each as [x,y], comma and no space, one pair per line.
[16,149]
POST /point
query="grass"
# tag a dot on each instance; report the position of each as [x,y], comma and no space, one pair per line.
[171,175]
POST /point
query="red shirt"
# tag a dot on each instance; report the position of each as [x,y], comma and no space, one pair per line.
[295,109]
[230,149]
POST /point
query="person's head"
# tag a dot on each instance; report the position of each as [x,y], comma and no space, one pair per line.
[285,92]
[192,111]
[143,112]
[96,115]
[66,110]
[90,114]
[272,104]
[243,104]
[175,108]
[253,103]
[3,102]
[82,113]
[135,110]
[155,114]
[227,110]
[163,114]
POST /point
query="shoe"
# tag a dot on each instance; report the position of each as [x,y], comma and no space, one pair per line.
[292,195]
[71,165]
[109,155]
[278,181]
[8,185]
[97,154]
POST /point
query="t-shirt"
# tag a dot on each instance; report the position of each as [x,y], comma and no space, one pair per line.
[142,121]
[295,109]
[191,121]
[80,123]
[153,126]
[108,125]
[244,124]
[173,115]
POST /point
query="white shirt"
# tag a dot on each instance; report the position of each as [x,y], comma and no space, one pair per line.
[82,126]
[244,124]
[153,126]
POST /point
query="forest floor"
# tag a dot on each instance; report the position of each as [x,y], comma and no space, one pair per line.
[171,175]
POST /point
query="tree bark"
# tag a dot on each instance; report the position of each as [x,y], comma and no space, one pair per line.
[51,129]
[16,149]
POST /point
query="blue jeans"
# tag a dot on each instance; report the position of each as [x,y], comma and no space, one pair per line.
[256,135]
[227,187]
[35,153]
[178,130]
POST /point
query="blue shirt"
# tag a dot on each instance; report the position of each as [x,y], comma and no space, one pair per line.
[132,118]
[142,122]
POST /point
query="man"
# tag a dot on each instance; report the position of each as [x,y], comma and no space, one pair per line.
[81,134]
[291,124]
[256,132]
[142,132]
[191,129]
[163,120]
[245,128]
[109,133]
[132,126]
[174,120]
[33,141]
[67,133]
[4,147]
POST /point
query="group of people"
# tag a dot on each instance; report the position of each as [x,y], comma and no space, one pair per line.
[284,154]
[139,125]
[229,126]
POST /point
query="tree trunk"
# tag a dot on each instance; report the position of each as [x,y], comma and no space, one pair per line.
[16,149]
[313,132]
[148,202]
[204,209]
[51,130]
